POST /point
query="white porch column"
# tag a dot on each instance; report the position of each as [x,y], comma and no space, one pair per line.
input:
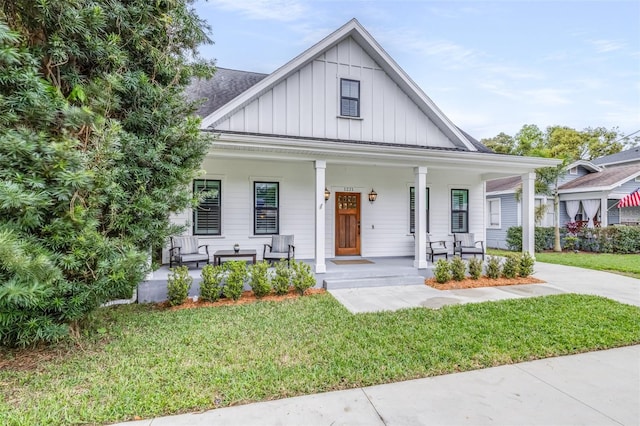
[528,213]
[604,213]
[420,260]
[320,265]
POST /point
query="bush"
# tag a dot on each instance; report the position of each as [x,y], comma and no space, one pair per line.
[571,242]
[475,268]
[493,267]
[511,266]
[458,268]
[526,264]
[235,279]
[442,271]
[543,238]
[211,284]
[178,285]
[282,281]
[302,276]
[260,283]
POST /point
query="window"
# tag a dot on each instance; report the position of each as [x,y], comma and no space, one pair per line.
[349,98]
[412,210]
[206,217]
[573,170]
[460,210]
[266,208]
[493,213]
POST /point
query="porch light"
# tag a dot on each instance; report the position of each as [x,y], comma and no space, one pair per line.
[373,195]
[327,193]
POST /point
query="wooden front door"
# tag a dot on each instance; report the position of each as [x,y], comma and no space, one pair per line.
[347,223]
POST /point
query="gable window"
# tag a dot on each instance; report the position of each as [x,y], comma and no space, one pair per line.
[349,98]
[460,210]
[266,208]
[493,213]
[412,210]
[207,217]
[573,170]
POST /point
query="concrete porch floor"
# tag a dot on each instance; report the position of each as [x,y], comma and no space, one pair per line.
[382,270]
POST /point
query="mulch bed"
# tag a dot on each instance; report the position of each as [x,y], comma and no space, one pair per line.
[247,297]
[481,282]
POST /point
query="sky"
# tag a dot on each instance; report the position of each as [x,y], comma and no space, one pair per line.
[491,67]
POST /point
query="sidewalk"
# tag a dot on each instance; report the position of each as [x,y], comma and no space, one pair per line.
[596,388]
[600,387]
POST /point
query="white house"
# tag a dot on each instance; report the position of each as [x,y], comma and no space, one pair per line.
[341,119]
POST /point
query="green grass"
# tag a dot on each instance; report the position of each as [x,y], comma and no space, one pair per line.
[625,264]
[151,362]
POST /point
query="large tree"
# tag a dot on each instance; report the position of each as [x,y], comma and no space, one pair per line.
[97,147]
[563,143]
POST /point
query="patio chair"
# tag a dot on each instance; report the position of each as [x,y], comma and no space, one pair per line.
[281,248]
[186,249]
[465,244]
[436,248]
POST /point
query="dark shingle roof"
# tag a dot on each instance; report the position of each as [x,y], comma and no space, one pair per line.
[479,145]
[605,178]
[225,85]
[504,184]
[629,155]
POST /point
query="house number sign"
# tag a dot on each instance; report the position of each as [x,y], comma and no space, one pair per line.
[348,189]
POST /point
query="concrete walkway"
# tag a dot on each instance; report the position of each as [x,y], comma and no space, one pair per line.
[596,388]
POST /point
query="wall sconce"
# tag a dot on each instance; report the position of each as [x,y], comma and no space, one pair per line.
[327,193]
[373,195]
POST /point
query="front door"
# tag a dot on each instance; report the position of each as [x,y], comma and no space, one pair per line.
[347,223]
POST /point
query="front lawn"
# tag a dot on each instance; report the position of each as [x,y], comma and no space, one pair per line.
[150,362]
[625,264]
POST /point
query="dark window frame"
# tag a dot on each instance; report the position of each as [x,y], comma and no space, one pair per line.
[412,213]
[257,209]
[200,210]
[345,112]
[455,212]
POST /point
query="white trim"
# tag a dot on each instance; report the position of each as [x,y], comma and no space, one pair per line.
[573,170]
[190,221]
[499,224]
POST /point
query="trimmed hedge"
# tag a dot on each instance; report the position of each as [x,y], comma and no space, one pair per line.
[611,239]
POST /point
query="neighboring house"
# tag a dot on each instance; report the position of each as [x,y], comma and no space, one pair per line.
[622,158]
[586,192]
[299,151]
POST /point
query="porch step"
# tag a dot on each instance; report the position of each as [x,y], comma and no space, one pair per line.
[376,281]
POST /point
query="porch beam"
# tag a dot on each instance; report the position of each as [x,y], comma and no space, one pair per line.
[320,207]
[528,213]
[420,260]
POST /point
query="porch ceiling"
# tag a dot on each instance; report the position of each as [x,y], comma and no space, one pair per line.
[336,152]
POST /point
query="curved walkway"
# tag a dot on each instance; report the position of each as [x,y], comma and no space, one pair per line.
[600,388]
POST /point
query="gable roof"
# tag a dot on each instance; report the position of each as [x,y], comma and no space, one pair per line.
[627,156]
[354,30]
[605,180]
[584,163]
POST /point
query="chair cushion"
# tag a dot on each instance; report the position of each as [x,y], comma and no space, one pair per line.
[276,255]
[280,243]
[466,240]
[194,257]
[188,245]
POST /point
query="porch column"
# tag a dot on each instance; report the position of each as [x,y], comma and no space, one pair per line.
[320,266]
[420,260]
[604,212]
[528,213]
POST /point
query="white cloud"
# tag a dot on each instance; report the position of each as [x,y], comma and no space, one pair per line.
[603,46]
[550,97]
[277,10]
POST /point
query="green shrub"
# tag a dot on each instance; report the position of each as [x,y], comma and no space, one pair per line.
[511,266]
[571,242]
[543,238]
[282,280]
[494,269]
[235,279]
[302,278]
[178,285]
[442,271]
[475,268]
[458,268]
[211,284]
[526,264]
[260,282]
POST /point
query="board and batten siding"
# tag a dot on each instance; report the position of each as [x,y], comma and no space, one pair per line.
[497,237]
[306,104]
